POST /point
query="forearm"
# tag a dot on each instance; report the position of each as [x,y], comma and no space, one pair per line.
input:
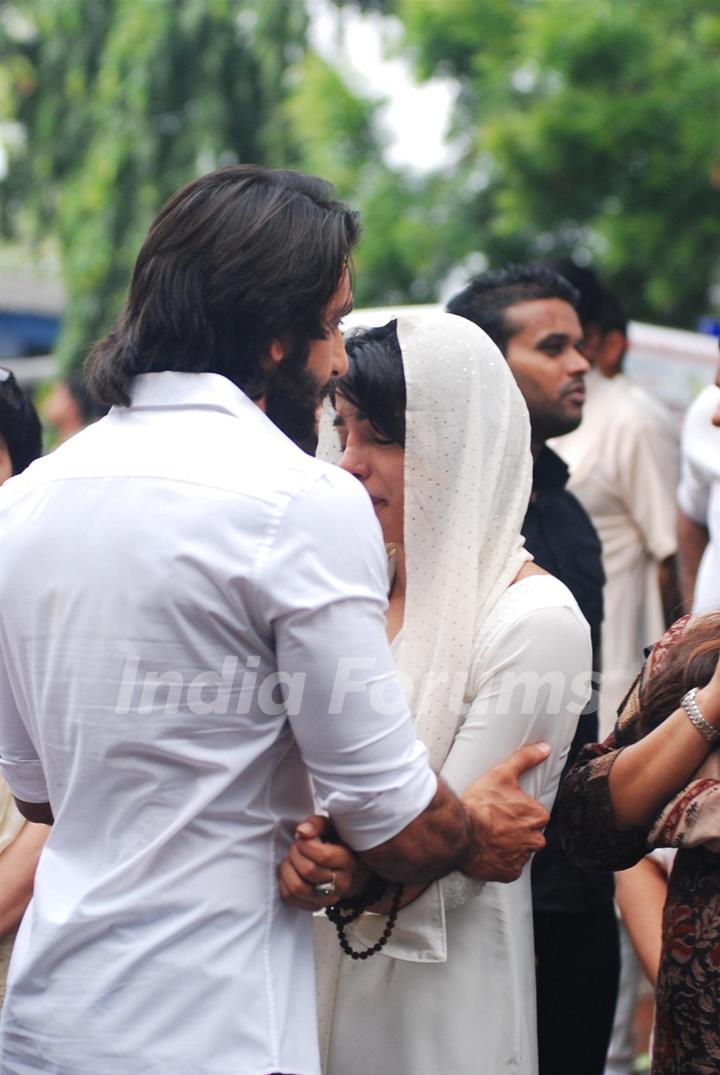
[18,863]
[649,773]
[440,840]
[692,541]
[640,893]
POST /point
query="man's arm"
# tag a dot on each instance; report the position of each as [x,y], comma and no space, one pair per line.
[692,541]
[323,589]
[500,829]
[489,835]
[19,762]
[18,863]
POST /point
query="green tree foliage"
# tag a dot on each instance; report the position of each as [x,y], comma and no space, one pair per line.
[399,258]
[588,128]
[122,101]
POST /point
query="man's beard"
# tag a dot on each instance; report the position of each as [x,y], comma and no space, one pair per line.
[292,396]
[552,423]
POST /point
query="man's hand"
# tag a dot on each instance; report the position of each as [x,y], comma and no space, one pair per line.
[507,823]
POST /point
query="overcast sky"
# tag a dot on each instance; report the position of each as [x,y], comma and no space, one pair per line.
[415,117]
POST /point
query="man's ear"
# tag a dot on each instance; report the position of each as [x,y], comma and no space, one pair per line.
[611,352]
[592,341]
[276,352]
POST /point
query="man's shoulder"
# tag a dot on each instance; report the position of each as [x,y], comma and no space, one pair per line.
[324,490]
[629,410]
[583,529]
[649,408]
[702,408]
[550,489]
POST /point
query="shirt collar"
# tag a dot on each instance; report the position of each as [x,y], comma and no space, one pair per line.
[171,389]
[549,472]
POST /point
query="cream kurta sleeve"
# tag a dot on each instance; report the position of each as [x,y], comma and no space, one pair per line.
[647,465]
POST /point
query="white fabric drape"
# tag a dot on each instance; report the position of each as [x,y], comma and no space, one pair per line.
[468,475]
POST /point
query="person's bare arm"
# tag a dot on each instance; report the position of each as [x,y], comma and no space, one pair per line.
[18,863]
[640,893]
[692,541]
[670,594]
[489,834]
[646,775]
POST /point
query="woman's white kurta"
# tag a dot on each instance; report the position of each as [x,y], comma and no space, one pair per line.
[455,991]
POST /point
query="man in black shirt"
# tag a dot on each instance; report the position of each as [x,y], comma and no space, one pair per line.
[529,312]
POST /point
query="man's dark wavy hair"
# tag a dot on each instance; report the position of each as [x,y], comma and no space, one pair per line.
[236,259]
[487,296]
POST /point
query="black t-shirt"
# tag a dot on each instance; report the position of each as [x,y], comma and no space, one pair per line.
[559,534]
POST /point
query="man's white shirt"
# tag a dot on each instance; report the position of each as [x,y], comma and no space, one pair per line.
[167,577]
[699,491]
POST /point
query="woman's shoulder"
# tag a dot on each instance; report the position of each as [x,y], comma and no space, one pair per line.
[535,593]
[536,629]
[537,611]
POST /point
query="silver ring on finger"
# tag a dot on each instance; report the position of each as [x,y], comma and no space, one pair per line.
[326,888]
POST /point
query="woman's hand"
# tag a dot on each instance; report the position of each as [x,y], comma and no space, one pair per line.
[311,862]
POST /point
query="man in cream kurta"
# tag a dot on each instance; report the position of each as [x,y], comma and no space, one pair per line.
[623,461]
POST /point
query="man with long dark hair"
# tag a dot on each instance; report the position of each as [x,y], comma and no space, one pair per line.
[191,630]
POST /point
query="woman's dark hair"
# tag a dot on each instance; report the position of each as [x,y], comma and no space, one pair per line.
[19,424]
[234,260]
[375,381]
[690,662]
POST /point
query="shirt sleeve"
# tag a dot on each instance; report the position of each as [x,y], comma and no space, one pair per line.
[694,492]
[590,837]
[695,480]
[531,684]
[323,587]
[647,475]
[19,761]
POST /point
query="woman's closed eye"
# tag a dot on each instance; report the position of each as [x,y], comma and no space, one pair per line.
[375,437]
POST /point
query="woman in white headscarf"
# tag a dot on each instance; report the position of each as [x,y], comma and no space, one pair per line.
[494,653]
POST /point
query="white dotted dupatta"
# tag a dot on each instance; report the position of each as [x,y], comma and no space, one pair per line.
[468,476]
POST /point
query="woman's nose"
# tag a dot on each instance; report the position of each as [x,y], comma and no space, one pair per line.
[355,462]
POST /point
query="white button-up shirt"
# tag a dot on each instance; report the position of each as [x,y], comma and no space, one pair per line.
[699,492]
[168,577]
